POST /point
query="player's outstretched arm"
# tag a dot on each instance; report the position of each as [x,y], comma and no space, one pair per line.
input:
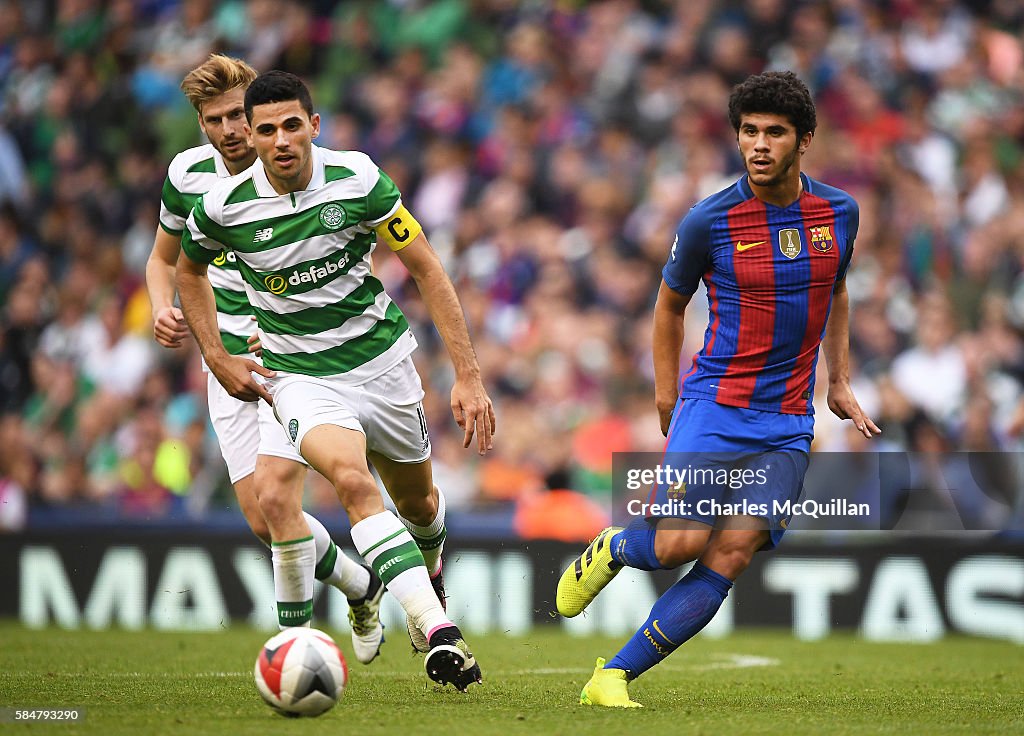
[836,345]
[200,308]
[470,403]
[667,342]
[169,328]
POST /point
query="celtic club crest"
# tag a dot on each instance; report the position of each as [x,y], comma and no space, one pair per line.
[332,216]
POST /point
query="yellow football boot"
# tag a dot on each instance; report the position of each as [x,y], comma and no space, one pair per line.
[585,578]
[607,688]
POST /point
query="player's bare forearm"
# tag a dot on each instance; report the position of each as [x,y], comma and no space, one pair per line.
[442,303]
[836,346]
[446,312]
[197,302]
[836,343]
[666,344]
[160,267]
[199,307]
[168,322]
[470,403]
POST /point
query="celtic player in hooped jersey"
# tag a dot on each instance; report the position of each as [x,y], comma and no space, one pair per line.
[216,89]
[302,222]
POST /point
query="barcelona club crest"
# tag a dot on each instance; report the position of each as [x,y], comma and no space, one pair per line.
[789,242]
[821,238]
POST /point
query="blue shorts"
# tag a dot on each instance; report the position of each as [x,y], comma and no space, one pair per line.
[735,462]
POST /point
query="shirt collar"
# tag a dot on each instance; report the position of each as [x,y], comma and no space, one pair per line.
[748,193]
[319,177]
[219,166]
[265,189]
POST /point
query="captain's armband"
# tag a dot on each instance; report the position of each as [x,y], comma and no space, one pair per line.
[398,230]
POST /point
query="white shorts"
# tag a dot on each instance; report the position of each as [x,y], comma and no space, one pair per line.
[244,430]
[388,410]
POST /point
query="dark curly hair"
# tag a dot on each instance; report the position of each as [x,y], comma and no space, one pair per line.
[775,93]
[277,86]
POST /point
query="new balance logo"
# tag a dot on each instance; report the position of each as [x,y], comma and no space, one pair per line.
[263,235]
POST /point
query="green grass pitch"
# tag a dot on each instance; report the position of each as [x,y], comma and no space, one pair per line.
[751,683]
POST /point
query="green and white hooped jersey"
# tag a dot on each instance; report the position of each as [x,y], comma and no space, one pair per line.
[305,259]
[191,174]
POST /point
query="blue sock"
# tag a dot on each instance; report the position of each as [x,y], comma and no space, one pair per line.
[634,546]
[681,612]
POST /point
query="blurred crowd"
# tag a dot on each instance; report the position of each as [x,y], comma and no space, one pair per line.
[549,148]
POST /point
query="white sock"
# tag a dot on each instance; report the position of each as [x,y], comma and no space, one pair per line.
[390,550]
[334,567]
[293,580]
[430,538]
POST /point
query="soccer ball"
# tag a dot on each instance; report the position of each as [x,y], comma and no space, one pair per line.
[301,672]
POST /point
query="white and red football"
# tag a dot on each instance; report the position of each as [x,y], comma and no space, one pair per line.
[301,672]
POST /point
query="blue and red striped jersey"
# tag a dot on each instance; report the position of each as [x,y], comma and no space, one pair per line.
[770,273]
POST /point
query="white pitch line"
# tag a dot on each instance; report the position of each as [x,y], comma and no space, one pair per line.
[737,662]
[728,662]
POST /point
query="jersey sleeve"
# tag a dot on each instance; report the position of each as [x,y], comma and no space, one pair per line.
[853,223]
[196,241]
[383,199]
[690,256]
[174,208]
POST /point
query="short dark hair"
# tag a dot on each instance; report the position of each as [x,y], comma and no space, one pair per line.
[277,86]
[775,93]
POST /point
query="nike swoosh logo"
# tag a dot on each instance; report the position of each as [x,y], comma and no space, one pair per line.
[740,246]
[658,629]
